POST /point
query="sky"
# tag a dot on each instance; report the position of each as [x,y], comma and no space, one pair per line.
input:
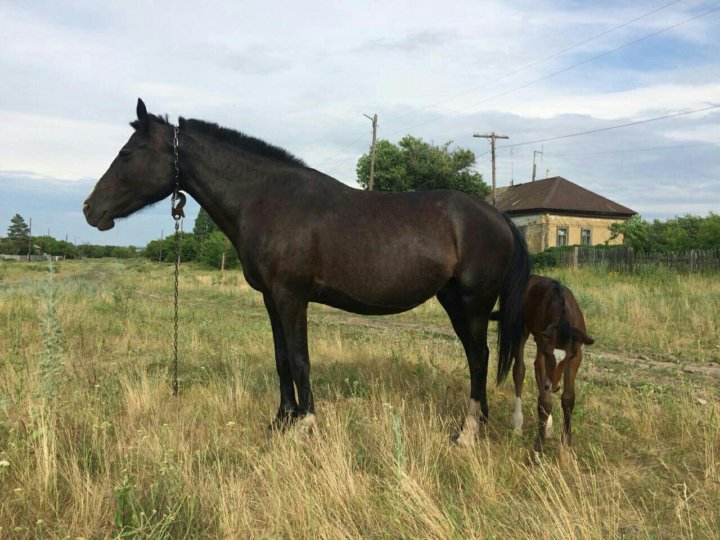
[301,75]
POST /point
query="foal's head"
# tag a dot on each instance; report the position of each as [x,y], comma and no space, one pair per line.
[141,174]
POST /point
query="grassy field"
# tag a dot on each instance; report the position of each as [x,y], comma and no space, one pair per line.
[93,445]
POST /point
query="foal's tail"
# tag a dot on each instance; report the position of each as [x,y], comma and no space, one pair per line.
[512,296]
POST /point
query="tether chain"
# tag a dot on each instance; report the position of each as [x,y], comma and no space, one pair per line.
[177,214]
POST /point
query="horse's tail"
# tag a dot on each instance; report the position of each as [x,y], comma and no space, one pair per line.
[512,296]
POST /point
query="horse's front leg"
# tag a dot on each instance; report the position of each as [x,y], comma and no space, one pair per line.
[568,396]
[288,409]
[544,406]
[518,379]
[293,315]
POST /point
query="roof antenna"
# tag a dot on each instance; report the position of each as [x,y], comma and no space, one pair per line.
[512,167]
[535,153]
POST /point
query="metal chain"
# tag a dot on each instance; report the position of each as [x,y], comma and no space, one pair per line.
[177,214]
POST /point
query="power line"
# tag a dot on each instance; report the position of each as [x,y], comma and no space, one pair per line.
[637,122]
[555,73]
[647,36]
[629,151]
[541,60]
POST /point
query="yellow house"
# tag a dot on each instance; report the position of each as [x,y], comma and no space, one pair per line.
[556,212]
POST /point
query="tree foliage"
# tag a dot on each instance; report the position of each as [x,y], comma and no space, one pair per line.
[212,249]
[677,234]
[204,225]
[416,165]
[18,236]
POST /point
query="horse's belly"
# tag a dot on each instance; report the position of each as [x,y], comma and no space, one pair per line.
[367,289]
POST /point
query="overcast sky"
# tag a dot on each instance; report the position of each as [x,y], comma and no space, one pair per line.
[301,74]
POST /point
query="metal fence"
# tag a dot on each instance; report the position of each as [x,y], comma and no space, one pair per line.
[623,259]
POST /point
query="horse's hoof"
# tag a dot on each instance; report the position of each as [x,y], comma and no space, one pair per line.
[549,431]
[282,421]
[464,439]
[539,443]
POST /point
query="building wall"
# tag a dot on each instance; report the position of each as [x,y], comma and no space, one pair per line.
[541,229]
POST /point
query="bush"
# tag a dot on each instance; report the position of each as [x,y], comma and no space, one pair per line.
[212,248]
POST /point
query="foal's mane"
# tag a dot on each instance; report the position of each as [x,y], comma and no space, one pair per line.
[240,140]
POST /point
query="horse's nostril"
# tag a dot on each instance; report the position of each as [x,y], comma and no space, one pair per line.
[86,208]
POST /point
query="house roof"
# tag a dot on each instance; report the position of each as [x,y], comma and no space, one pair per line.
[556,195]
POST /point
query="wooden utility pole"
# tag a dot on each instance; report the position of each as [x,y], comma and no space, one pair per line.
[373,118]
[30,240]
[492,136]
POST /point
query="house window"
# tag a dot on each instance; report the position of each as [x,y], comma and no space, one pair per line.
[562,234]
[585,237]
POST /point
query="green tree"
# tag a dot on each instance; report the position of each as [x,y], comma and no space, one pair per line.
[636,233]
[164,250]
[416,165]
[212,249]
[204,224]
[18,234]
[709,232]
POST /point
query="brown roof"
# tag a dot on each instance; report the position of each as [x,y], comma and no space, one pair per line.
[556,195]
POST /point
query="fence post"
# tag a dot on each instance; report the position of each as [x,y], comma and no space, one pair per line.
[631,259]
[575,256]
[693,260]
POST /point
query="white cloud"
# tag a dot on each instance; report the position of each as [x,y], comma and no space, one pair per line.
[301,74]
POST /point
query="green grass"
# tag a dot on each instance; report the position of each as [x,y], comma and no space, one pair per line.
[99,448]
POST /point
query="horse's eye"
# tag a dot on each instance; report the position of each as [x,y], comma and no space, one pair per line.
[125,153]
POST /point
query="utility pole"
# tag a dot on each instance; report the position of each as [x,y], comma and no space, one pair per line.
[162,235]
[547,172]
[535,153]
[373,118]
[492,136]
[29,239]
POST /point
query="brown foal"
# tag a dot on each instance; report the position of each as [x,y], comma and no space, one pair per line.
[553,317]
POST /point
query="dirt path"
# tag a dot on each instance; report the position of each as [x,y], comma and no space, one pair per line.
[599,361]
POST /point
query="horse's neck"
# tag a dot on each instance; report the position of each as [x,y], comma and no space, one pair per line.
[220,180]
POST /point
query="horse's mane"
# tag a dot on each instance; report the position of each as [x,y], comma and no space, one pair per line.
[240,140]
[158,118]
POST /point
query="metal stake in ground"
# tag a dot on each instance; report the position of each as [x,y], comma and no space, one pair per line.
[177,213]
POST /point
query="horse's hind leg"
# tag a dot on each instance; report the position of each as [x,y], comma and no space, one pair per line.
[568,396]
[518,379]
[288,408]
[472,331]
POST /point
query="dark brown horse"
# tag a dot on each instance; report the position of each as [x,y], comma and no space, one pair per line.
[552,315]
[304,237]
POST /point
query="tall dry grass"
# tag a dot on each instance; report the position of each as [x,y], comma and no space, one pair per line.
[112,454]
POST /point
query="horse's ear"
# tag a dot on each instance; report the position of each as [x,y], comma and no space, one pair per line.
[143,117]
[141,110]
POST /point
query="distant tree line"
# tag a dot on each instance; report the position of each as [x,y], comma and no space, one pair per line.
[677,234]
[19,242]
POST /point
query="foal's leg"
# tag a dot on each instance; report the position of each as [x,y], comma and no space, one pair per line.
[550,367]
[288,409]
[544,406]
[293,316]
[472,331]
[568,396]
[518,379]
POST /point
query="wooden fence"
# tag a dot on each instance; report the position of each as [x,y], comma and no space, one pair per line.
[623,259]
